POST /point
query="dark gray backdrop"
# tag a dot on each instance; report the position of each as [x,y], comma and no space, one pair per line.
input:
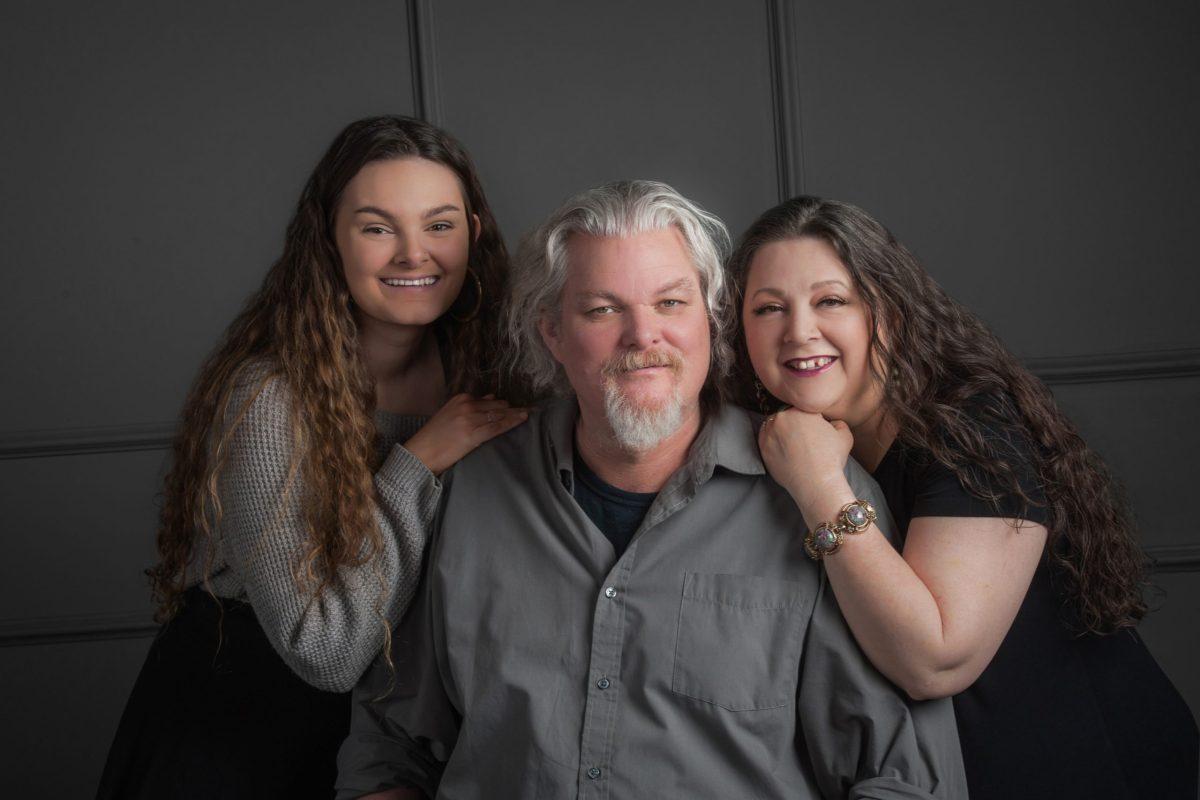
[1041,159]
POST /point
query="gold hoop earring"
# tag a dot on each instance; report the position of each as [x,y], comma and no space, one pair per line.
[478,300]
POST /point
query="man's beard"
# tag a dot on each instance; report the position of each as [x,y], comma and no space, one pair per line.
[638,428]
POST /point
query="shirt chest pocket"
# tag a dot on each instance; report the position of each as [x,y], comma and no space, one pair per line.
[738,641]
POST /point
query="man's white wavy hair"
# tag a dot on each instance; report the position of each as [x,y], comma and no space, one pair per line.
[614,210]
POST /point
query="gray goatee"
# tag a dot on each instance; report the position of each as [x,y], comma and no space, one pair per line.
[638,428]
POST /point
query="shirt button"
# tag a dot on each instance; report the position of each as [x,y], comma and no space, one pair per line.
[594,773]
[603,683]
[610,592]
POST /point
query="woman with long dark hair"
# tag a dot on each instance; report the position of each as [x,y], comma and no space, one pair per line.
[1018,581]
[305,470]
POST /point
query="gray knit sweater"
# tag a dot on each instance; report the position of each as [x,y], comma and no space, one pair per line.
[327,640]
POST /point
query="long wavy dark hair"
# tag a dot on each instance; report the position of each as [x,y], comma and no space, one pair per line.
[937,359]
[301,327]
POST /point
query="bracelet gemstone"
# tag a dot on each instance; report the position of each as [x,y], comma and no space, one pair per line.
[825,539]
[856,515]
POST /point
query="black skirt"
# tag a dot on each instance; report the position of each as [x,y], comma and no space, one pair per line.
[216,713]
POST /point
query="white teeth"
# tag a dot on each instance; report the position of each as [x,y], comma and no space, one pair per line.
[426,281]
[812,363]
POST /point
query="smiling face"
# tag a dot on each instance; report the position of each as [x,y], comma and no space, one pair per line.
[808,331]
[632,334]
[403,236]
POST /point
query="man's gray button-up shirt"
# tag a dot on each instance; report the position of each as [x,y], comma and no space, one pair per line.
[710,660]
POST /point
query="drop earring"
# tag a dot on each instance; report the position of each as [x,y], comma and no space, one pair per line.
[760,393]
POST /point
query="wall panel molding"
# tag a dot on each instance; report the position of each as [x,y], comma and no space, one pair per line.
[1099,368]
[785,91]
[1102,368]
[1174,558]
[75,628]
[426,99]
[86,441]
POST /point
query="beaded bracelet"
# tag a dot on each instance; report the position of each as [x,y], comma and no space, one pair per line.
[826,539]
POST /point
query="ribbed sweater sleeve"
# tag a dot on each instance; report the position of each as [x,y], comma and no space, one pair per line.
[330,639]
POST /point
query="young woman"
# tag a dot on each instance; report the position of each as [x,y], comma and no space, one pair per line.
[1018,580]
[305,470]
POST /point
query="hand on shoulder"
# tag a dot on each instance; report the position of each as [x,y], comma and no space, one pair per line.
[461,425]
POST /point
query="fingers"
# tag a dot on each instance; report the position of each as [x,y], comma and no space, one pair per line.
[509,421]
[763,435]
[767,421]
[842,429]
[492,416]
[782,420]
[488,416]
[494,423]
[489,405]
[766,431]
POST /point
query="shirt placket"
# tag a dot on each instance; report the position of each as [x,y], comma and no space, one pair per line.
[604,690]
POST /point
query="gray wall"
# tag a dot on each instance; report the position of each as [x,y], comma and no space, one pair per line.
[1041,159]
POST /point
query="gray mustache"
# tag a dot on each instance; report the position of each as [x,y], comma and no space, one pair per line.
[640,359]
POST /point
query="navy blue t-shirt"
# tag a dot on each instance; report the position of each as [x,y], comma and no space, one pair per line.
[616,512]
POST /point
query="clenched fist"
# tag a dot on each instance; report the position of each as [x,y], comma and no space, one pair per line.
[804,453]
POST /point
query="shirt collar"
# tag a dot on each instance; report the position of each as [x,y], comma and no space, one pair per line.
[728,439]
[559,434]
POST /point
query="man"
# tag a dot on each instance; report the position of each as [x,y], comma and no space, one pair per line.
[618,603]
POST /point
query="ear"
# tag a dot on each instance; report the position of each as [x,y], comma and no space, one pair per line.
[477,227]
[549,330]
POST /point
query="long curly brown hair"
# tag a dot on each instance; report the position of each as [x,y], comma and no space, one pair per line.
[301,325]
[937,359]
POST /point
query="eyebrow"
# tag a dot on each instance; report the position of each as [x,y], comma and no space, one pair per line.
[595,294]
[771,290]
[433,212]
[673,286]
[374,210]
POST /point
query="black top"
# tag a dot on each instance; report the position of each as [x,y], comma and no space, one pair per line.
[1056,714]
[616,512]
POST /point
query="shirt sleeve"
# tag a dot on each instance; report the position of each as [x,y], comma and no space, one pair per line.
[940,493]
[403,723]
[328,639]
[864,738]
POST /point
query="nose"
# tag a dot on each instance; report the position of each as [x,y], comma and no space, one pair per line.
[802,325]
[641,329]
[410,250]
